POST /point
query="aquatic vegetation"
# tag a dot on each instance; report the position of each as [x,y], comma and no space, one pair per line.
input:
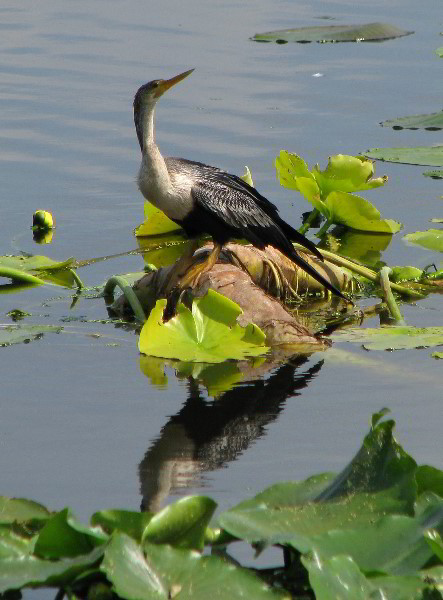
[330,191]
[368,32]
[374,528]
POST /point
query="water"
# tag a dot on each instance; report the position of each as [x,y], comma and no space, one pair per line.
[81,425]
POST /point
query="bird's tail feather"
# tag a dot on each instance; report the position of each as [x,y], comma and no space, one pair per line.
[296,236]
[301,262]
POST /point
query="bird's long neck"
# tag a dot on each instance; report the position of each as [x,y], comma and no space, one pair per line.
[145,126]
[154,180]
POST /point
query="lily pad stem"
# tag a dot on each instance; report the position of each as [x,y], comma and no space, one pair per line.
[130,295]
[389,296]
[324,229]
[365,272]
[77,279]
[310,219]
[18,275]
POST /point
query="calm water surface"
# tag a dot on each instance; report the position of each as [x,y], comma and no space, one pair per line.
[80,423]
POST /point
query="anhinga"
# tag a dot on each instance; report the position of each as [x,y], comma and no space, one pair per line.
[204,199]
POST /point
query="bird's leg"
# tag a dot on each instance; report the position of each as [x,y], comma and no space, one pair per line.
[191,277]
[182,265]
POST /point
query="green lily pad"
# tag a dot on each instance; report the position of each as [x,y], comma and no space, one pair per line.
[420,155]
[365,247]
[19,510]
[394,544]
[439,52]
[431,122]
[127,521]
[182,524]
[429,479]
[435,542]
[28,570]
[339,578]
[438,355]
[435,174]
[38,270]
[247,177]
[431,239]
[62,536]
[393,337]
[17,334]
[166,572]
[378,481]
[357,213]
[400,274]
[155,223]
[15,545]
[370,32]
[343,173]
[208,334]
[165,250]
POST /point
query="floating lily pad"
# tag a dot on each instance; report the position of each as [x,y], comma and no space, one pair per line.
[435,174]
[208,334]
[393,338]
[64,537]
[358,213]
[183,523]
[439,52]
[15,510]
[400,274]
[365,247]
[431,122]
[38,270]
[167,572]
[431,239]
[378,481]
[370,32]
[339,578]
[17,334]
[420,155]
[155,223]
[126,521]
[28,570]
[163,250]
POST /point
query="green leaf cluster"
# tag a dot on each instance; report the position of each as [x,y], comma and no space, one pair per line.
[371,531]
[331,191]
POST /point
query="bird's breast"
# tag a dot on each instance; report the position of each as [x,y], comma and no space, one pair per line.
[172,195]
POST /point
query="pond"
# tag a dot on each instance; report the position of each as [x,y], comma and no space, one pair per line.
[81,424]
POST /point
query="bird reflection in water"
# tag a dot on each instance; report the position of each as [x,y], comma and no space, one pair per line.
[206,435]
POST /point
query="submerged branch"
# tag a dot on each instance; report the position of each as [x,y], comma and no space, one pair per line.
[256,280]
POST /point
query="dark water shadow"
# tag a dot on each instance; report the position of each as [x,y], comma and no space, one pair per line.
[207,435]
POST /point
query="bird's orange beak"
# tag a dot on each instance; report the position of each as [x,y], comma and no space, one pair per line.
[168,83]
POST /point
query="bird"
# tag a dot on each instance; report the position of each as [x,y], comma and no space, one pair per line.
[207,200]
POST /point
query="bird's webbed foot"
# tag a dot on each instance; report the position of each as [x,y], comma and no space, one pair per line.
[172,301]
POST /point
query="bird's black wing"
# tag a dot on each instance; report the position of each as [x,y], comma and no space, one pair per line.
[248,212]
[228,213]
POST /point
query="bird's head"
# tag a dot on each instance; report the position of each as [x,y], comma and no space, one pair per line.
[149,93]
[145,99]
